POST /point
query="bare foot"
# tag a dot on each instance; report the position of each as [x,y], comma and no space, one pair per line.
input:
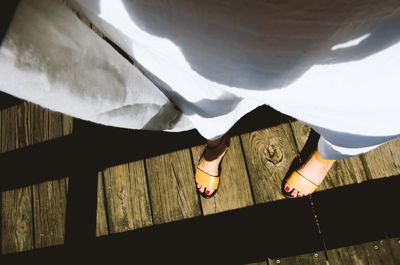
[210,160]
[314,169]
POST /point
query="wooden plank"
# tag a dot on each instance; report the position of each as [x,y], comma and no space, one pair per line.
[377,252]
[128,204]
[101,216]
[172,188]
[343,172]
[269,153]
[383,161]
[394,244]
[234,191]
[49,213]
[39,124]
[17,223]
[67,124]
[301,132]
[17,230]
[49,198]
[317,258]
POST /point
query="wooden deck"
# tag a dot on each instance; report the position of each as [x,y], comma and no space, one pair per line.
[55,170]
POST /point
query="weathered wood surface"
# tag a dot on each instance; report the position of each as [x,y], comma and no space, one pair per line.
[49,213]
[39,208]
[162,189]
[394,244]
[172,189]
[343,172]
[127,199]
[268,154]
[67,124]
[17,223]
[317,258]
[101,216]
[300,132]
[383,161]
[234,190]
[377,252]
[49,198]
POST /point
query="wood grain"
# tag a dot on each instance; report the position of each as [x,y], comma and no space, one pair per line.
[383,161]
[394,245]
[234,191]
[17,223]
[268,154]
[49,213]
[343,172]
[377,252]
[127,200]
[17,220]
[317,258]
[301,133]
[67,124]
[49,198]
[101,216]
[172,190]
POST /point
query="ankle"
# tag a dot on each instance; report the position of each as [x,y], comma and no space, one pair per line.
[320,159]
[214,144]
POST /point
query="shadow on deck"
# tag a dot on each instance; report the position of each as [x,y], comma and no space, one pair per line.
[347,215]
[276,229]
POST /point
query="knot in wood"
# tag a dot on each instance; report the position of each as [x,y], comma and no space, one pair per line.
[121,195]
[273,153]
[22,227]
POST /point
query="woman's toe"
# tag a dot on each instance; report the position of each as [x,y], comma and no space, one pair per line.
[198,186]
[287,188]
[209,192]
[294,193]
[299,194]
[201,189]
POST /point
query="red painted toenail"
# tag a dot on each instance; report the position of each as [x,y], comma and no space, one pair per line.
[287,188]
[207,192]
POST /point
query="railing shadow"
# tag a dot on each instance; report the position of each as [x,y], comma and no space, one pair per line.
[275,229]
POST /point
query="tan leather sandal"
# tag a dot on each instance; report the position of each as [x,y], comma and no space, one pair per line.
[302,183]
[207,180]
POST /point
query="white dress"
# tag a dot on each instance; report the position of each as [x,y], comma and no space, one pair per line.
[335,66]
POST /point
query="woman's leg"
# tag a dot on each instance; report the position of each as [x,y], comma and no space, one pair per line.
[317,166]
[211,158]
[313,170]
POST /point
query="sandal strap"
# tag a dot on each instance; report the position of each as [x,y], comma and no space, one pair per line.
[301,183]
[206,180]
